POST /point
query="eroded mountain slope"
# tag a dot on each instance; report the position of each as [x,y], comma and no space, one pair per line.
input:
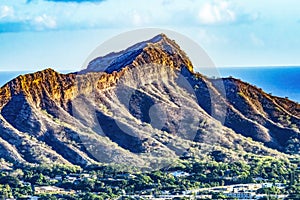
[141,106]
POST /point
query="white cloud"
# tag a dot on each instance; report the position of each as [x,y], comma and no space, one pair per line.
[6,11]
[216,12]
[44,21]
[43,15]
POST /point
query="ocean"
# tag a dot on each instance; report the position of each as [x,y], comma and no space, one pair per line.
[280,81]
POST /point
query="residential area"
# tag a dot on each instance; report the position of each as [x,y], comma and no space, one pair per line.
[265,178]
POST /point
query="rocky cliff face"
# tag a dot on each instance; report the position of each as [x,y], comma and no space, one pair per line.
[158,50]
[140,106]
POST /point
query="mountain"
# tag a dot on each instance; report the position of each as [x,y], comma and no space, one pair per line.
[144,106]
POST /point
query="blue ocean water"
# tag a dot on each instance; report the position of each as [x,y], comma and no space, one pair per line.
[280,81]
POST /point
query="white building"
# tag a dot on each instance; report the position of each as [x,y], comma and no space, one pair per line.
[179,174]
[266,185]
[241,195]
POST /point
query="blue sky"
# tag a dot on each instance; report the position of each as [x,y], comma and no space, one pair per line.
[37,34]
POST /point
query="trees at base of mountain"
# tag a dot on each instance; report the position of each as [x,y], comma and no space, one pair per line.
[114,180]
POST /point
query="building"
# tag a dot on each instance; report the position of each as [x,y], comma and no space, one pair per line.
[51,190]
[179,174]
[59,178]
[266,185]
[240,195]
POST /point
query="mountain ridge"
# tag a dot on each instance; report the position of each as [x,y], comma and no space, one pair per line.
[123,115]
[149,51]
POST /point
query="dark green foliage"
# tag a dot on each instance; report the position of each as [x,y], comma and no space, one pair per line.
[103,182]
